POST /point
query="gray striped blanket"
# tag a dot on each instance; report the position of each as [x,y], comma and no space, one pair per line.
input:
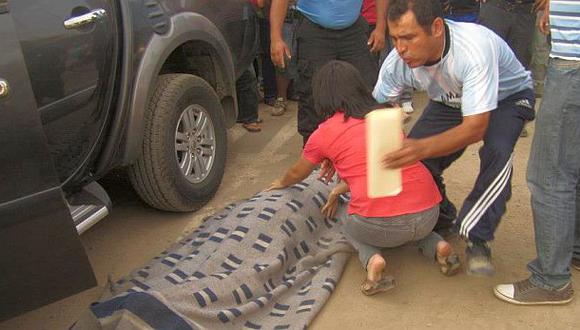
[269,262]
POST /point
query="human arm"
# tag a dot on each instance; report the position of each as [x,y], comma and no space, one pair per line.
[377,38]
[539,5]
[326,171]
[544,22]
[278,48]
[471,130]
[329,209]
[296,173]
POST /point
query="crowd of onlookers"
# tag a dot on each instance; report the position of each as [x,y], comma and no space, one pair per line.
[473,59]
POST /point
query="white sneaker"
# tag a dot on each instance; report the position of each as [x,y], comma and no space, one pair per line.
[408,107]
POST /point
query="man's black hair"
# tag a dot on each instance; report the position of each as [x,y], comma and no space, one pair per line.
[425,11]
[338,86]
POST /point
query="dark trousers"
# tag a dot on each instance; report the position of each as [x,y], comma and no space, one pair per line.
[484,206]
[247,94]
[514,23]
[315,47]
[268,69]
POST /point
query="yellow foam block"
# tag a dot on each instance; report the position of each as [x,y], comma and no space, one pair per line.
[384,134]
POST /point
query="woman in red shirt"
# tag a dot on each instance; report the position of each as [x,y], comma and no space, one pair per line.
[342,98]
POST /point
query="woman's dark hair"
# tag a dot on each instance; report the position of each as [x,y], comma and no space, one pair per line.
[338,86]
[426,11]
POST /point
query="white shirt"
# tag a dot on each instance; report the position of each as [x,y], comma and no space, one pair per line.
[478,70]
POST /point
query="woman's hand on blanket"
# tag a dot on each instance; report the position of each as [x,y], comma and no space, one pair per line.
[329,209]
[276,184]
[326,171]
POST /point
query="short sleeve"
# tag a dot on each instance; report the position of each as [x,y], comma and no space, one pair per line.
[390,84]
[313,149]
[481,82]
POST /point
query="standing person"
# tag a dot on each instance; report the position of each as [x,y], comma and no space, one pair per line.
[478,91]
[342,99]
[554,169]
[326,30]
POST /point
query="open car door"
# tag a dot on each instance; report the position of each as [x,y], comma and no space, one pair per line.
[41,256]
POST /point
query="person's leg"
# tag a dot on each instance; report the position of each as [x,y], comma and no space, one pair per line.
[351,230]
[268,69]
[315,47]
[356,231]
[553,173]
[432,245]
[437,118]
[247,94]
[485,205]
[284,76]
[521,33]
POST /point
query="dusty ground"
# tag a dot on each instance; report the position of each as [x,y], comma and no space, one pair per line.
[423,299]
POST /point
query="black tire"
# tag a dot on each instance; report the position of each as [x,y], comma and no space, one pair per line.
[156,176]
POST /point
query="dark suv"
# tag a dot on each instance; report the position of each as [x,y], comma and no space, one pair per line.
[87,86]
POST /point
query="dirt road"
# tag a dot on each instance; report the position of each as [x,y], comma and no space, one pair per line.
[134,233]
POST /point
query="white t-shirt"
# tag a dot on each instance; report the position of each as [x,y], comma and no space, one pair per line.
[478,70]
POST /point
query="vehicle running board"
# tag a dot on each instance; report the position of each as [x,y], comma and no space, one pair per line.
[89,206]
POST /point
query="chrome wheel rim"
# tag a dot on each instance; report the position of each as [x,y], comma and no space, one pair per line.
[195,143]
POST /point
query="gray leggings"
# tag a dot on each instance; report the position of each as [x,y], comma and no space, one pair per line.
[369,235]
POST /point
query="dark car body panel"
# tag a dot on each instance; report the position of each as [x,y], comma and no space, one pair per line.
[75,112]
[39,244]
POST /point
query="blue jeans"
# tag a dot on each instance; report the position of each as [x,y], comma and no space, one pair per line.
[483,208]
[553,174]
[370,235]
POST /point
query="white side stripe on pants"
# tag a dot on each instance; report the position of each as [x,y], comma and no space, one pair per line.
[488,197]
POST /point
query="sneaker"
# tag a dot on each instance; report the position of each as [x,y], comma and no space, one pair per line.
[408,107]
[479,259]
[526,293]
[279,107]
[576,263]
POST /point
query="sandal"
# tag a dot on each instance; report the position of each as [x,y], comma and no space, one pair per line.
[370,288]
[449,265]
[252,127]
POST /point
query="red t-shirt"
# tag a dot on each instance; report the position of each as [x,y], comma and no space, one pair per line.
[344,144]
[369,11]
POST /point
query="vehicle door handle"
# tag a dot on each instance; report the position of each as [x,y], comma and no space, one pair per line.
[82,20]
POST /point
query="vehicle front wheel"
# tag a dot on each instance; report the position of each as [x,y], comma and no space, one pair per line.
[182,160]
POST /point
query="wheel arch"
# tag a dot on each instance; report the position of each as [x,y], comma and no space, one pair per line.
[193,45]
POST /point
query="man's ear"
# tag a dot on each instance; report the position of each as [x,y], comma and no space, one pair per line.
[438,27]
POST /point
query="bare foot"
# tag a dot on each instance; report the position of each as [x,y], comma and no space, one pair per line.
[447,259]
[444,249]
[375,267]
